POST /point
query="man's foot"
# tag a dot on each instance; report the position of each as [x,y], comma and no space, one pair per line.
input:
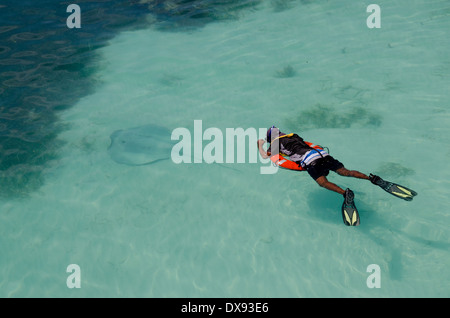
[375,179]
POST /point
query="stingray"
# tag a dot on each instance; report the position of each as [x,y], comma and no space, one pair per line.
[141,145]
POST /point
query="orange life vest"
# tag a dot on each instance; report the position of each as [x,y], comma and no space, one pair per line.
[282,161]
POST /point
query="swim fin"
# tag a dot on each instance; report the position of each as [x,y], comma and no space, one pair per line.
[394,189]
[349,212]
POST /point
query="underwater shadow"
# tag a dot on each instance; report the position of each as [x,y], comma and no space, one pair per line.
[326,206]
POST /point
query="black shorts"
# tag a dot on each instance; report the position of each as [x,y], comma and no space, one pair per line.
[321,167]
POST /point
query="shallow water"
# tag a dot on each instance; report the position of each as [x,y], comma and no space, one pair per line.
[377,98]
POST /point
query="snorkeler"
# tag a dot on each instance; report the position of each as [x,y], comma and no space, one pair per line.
[318,163]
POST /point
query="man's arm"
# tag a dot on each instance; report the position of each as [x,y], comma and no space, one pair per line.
[262,152]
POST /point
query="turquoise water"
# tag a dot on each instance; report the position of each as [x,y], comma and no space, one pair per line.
[378,98]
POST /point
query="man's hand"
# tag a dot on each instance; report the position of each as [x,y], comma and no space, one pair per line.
[261,142]
[264,154]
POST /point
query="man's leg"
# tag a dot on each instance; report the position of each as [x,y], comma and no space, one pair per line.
[323,182]
[351,173]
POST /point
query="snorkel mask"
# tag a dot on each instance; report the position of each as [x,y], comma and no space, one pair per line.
[269,134]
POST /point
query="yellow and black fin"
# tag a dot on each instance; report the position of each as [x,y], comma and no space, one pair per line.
[393,188]
[350,214]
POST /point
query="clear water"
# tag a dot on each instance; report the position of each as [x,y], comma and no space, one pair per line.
[378,98]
